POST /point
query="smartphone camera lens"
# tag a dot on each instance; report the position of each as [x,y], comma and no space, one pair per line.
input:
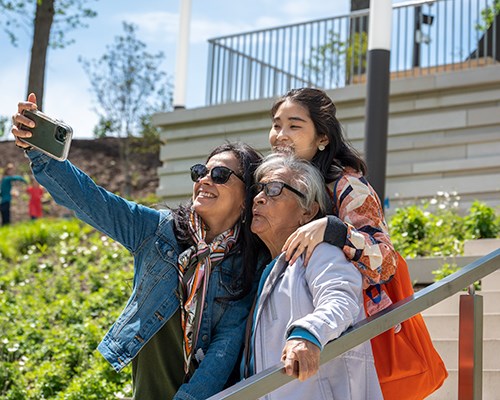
[61,134]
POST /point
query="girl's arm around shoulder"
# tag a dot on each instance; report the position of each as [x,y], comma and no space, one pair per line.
[367,244]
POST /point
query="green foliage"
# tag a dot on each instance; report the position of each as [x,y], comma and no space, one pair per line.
[448,269]
[342,59]
[482,222]
[19,15]
[4,124]
[488,15]
[62,285]
[128,85]
[416,231]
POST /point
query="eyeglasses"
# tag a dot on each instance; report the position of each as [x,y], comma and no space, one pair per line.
[219,174]
[273,189]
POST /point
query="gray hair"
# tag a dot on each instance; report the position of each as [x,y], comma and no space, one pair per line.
[304,176]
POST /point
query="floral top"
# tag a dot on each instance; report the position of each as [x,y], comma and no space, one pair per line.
[359,228]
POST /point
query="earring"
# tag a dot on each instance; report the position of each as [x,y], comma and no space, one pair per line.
[321,147]
[243,217]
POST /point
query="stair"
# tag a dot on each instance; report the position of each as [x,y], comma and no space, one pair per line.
[442,322]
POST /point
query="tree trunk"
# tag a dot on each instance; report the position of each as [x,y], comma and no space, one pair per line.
[41,34]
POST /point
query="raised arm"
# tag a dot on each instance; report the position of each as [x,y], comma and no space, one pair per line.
[124,221]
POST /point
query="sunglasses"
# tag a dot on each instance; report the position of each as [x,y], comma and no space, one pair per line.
[273,189]
[219,174]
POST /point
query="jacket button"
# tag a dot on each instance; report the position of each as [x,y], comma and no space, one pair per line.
[170,253]
[204,338]
[205,306]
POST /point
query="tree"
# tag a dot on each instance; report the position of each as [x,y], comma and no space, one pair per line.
[339,61]
[49,21]
[128,87]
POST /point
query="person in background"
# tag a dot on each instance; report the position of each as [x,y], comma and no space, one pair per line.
[299,310]
[194,269]
[6,191]
[35,192]
[304,122]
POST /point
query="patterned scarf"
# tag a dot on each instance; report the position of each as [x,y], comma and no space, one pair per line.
[195,265]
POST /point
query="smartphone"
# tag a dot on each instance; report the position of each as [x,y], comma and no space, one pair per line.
[49,135]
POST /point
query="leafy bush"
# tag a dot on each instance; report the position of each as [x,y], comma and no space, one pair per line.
[416,231]
[448,269]
[482,222]
[62,285]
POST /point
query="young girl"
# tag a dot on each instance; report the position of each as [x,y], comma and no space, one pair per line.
[304,122]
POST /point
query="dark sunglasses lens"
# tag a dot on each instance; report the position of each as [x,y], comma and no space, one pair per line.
[198,171]
[274,189]
[220,175]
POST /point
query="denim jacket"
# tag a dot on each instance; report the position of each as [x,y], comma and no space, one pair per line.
[148,234]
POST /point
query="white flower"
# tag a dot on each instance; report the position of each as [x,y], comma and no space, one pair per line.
[14,348]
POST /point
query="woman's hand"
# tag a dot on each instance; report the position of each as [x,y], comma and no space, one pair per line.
[301,358]
[305,239]
[19,118]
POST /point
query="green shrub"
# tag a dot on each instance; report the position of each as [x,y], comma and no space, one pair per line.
[448,269]
[416,231]
[482,222]
[62,285]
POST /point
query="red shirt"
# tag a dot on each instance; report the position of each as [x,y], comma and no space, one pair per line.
[35,204]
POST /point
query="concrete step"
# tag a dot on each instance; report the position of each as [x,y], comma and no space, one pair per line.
[445,326]
[449,390]
[491,303]
[448,350]
[491,282]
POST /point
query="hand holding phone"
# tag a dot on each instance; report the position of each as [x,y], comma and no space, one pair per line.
[49,135]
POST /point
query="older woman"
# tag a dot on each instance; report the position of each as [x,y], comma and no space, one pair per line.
[183,325]
[298,310]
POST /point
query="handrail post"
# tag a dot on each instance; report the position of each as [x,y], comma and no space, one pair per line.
[470,347]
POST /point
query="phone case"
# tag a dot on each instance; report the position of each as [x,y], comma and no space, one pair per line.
[50,136]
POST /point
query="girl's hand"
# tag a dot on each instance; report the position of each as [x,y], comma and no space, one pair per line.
[19,119]
[305,239]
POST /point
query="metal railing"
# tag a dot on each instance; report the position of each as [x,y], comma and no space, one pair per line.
[427,37]
[470,333]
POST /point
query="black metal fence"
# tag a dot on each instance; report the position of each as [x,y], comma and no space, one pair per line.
[427,37]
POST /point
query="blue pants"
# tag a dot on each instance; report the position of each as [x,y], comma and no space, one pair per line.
[5,209]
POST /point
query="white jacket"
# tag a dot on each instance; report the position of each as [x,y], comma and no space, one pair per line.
[325,298]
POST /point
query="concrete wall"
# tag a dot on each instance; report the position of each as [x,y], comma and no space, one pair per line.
[444,135]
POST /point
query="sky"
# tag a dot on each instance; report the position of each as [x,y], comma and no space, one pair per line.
[67,88]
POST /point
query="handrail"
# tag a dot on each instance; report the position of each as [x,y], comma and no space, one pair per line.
[272,378]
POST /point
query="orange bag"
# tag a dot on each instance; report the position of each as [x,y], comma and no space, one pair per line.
[408,366]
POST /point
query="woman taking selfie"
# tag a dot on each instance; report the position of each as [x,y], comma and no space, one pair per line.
[198,256]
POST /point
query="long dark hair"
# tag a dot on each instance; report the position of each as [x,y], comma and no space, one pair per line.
[339,152]
[250,245]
